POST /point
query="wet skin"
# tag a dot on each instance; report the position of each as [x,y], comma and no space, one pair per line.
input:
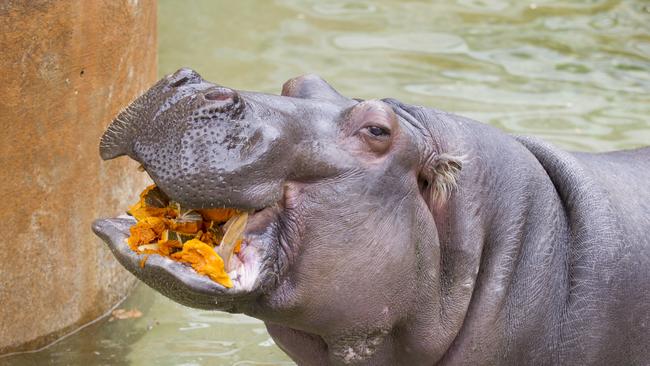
[385,233]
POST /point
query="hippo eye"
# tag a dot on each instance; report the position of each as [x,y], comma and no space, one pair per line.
[378,131]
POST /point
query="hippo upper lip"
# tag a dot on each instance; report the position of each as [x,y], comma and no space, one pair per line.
[253,209]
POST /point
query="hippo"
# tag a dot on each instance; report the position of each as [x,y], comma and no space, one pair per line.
[383,233]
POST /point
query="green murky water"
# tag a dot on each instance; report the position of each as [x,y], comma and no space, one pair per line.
[574,72]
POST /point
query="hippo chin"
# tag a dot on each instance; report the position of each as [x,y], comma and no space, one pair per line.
[390,234]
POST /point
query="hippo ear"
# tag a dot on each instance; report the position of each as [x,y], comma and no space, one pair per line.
[439,177]
[311,86]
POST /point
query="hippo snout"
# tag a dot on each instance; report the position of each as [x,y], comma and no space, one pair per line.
[207,145]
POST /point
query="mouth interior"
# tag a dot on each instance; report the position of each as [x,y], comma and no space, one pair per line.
[245,266]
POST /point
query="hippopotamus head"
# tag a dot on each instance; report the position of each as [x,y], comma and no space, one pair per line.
[341,193]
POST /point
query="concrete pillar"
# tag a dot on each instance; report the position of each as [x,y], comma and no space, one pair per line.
[66,69]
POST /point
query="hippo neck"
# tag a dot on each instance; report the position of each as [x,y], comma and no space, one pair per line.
[501,243]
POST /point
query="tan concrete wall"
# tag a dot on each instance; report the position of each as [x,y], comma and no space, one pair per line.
[66,69]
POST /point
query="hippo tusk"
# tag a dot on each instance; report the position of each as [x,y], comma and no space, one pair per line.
[235,228]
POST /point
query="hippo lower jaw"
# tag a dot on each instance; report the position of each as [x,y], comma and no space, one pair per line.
[252,269]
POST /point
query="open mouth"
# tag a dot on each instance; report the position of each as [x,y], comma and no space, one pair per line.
[248,267]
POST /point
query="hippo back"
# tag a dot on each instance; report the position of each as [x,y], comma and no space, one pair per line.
[607,202]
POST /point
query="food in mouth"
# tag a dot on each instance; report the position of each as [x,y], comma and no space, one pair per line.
[203,238]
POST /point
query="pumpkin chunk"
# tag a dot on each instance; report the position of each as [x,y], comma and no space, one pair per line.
[204,260]
[218,215]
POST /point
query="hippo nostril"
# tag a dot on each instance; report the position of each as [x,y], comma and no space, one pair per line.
[184,76]
[178,83]
[220,95]
[224,101]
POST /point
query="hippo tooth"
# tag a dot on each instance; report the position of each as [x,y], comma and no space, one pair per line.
[235,229]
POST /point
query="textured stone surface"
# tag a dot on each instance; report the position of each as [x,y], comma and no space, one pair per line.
[66,69]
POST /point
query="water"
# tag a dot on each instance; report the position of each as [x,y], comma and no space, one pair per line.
[166,334]
[575,73]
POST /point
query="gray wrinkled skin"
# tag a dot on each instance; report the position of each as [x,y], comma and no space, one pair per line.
[399,235]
